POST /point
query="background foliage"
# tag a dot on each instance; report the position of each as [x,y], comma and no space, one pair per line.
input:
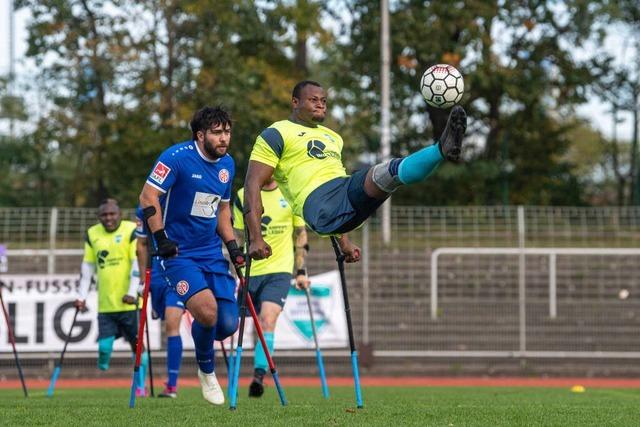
[118,80]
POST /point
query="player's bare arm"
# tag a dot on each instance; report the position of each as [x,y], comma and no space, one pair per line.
[150,197]
[239,236]
[301,249]
[225,231]
[141,253]
[150,203]
[258,174]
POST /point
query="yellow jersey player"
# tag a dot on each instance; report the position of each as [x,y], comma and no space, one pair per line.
[305,158]
[271,278]
[110,254]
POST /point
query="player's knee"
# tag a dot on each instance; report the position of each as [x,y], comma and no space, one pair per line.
[383,178]
[208,319]
[268,322]
[227,321]
[172,316]
[172,329]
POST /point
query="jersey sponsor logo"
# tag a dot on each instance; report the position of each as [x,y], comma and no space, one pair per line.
[316,149]
[205,205]
[102,258]
[269,228]
[182,287]
[196,176]
[160,172]
[264,225]
[283,202]
[223,176]
[118,238]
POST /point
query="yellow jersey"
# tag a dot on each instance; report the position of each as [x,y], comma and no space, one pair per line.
[303,158]
[113,253]
[278,223]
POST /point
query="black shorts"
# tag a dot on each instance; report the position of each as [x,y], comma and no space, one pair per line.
[119,324]
[340,205]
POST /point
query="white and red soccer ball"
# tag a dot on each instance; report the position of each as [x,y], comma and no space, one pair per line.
[442,86]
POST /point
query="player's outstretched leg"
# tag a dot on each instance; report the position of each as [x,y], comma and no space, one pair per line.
[450,143]
[388,176]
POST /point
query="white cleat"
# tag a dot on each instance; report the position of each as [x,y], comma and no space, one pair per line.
[211,390]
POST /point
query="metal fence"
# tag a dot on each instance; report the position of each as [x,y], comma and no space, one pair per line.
[490,304]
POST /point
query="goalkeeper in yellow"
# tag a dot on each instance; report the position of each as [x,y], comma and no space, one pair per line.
[305,158]
[110,254]
[271,278]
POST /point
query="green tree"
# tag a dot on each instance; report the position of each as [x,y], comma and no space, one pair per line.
[521,77]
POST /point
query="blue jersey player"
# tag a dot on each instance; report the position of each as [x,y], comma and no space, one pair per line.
[185,203]
[166,305]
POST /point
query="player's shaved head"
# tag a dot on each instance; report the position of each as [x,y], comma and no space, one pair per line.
[109,214]
[209,117]
[297,89]
[308,103]
[108,202]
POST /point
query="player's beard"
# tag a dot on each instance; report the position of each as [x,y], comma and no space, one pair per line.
[214,152]
[318,119]
[111,226]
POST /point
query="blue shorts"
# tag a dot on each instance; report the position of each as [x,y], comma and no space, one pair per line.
[163,295]
[188,276]
[340,205]
[269,287]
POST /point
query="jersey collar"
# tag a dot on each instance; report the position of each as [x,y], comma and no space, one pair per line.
[205,158]
[303,125]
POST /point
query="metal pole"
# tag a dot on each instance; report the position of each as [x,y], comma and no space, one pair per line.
[12,60]
[385,134]
[53,231]
[553,305]
[365,282]
[521,279]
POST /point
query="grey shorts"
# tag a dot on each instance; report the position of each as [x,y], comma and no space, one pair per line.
[269,287]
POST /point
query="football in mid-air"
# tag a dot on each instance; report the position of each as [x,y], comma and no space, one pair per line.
[442,86]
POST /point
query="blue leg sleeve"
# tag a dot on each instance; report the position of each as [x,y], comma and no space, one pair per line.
[419,165]
[260,359]
[105,348]
[142,374]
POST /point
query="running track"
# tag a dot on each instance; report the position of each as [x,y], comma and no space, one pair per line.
[365,381]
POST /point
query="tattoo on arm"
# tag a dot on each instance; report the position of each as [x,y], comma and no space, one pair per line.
[300,236]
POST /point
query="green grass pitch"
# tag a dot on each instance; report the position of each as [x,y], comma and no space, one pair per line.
[384,406]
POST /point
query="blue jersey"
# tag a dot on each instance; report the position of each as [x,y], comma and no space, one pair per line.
[193,186]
